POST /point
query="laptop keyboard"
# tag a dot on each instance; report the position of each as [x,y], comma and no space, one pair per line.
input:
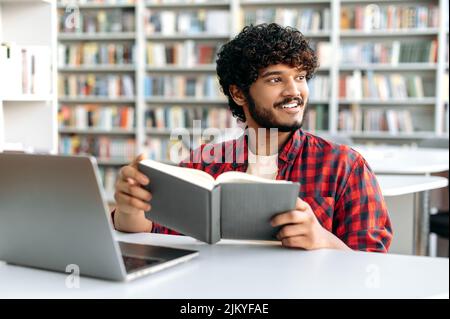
[133,264]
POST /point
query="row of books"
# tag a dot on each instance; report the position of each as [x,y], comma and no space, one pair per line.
[94,53]
[166,149]
[98,21]
[102,147]
[176,116]
[83,85]
[389,17]
[306,20]
[319,87]
[25,69]
[186,54]
[177,86]
[389,52]
[384,86]
[316,118]
[96,116]
[165,22]
[376,120]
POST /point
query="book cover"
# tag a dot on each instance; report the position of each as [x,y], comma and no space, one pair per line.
[235,206]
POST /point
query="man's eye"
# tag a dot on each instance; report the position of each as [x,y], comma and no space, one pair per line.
[275,80]
[301,77]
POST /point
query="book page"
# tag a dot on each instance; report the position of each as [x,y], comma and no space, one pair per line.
[241,177]
[194,176]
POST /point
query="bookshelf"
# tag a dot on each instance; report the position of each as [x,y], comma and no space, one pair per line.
[169,56]
[28,105]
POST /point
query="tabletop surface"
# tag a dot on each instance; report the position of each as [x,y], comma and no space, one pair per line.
[404,160]
[237,269]
[395,185]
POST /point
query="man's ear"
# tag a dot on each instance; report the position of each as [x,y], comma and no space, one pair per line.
[238,95]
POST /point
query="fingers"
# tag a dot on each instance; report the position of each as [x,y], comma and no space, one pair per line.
[291,217]
[130,172]
[139,158]
[301,204]
[133,189]
[123,199]
[291,231]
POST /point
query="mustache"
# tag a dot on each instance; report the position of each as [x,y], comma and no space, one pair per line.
[299,101]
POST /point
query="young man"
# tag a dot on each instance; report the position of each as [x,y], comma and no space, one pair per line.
[264,73]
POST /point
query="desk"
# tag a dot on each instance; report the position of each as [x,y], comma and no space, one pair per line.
[233,269]
[404,160]
[409,160]
[403,195]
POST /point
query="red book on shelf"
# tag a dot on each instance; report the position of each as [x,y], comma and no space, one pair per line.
[342,87]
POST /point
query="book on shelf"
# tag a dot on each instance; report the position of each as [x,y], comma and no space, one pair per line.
[305,20]
[98,21]
[389,17]
[93,54]
[171,117]
[96,116]
[316,118]
[384,86]
[324,52]
[103,148]
[177,86]
[392,121]
[86,85]
[236,205]
[388,52]
[186,54]
[25,70]
[188,22]
[319,87]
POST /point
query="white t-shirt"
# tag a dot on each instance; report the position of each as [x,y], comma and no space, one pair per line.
[262,165]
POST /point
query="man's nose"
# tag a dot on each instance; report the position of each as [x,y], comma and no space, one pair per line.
[291,89]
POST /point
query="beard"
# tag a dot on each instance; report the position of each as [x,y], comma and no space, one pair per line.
[267,119]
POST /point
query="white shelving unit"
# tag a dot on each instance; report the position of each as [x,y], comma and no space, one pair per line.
[29,122]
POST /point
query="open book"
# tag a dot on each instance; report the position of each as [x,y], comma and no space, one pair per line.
[236,205]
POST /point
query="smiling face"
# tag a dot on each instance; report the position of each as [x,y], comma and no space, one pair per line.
[277,99]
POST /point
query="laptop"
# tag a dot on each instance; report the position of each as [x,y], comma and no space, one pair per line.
[53,214]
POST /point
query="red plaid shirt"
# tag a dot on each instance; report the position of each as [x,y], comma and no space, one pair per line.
[334,179]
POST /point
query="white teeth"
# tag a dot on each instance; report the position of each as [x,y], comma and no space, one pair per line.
[291,105]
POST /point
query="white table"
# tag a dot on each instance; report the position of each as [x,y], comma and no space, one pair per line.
[404,160]
[409,160]
[233,269]
[403,194]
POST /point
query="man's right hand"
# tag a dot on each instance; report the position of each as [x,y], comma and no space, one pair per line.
[132,199]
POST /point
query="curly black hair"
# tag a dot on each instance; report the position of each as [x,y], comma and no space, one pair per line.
[256,47]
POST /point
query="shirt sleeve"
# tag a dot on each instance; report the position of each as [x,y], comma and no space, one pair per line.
[361,218]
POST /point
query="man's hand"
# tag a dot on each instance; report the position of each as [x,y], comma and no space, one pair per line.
[301,229]
[132,199]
